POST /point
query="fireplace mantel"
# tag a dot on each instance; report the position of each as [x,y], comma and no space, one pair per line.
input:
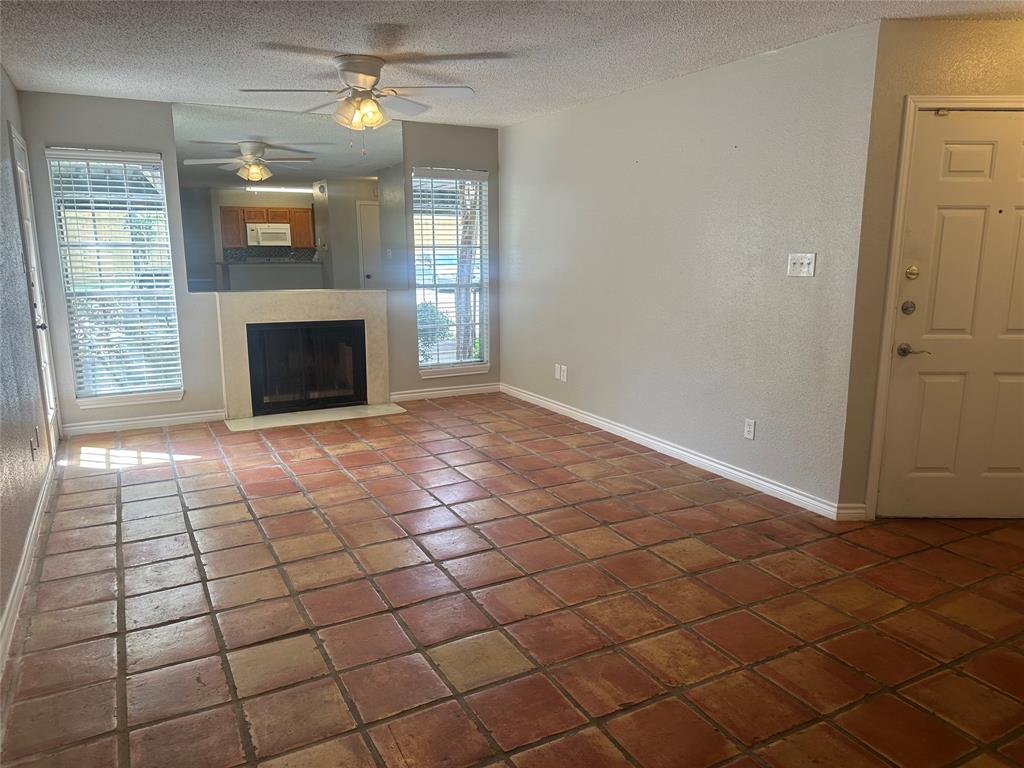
[235,309]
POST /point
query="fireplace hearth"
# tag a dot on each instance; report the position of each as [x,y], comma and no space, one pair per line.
[303,366]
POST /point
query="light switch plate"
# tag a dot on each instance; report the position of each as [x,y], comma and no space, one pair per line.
[558,372]
[801,265]
[563,374]
[748,428]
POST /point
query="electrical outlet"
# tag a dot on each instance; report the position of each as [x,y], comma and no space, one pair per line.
[801,265]
[563,374]
[748,428]
[558,372]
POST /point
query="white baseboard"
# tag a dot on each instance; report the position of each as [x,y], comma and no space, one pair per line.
[420,394]
[144,422]
[852,512]
[774,488]
[9,620]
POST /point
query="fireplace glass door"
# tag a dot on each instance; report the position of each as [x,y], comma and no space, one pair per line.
[303,366]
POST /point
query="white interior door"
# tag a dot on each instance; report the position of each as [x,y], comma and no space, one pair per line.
[368,223]
[47,384]
[954,434]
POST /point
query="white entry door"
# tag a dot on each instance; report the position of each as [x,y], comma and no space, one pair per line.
[47,385]
[954,423]
[368,226]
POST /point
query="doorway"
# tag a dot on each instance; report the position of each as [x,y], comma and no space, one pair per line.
[953,362]
[30,244]
[368,228]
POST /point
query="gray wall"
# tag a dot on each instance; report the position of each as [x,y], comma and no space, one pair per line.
[649,256]
[443,146]
[56,120]
[918,58]
[21,409]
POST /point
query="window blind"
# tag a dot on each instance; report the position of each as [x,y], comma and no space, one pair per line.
[450,250]
[110,212]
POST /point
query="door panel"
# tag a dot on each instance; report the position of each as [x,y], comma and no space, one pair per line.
[957,258]
[954,436]
[368,224]
[44,354]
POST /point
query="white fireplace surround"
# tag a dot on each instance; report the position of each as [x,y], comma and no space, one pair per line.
[235,310]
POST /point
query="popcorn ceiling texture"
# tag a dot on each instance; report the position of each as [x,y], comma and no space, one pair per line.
[557,54]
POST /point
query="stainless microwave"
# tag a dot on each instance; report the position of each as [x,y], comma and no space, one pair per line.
[268,234]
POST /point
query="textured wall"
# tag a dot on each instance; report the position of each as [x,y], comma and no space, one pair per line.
[443,146]
[644,241]
[20,404]
[919,58]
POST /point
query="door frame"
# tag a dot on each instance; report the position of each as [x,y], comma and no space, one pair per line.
[15,139]
[912,106]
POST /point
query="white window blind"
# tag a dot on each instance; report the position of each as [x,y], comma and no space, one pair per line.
[115,253]
[450,248]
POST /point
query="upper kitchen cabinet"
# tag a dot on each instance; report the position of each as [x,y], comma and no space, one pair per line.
[301,221]
[232,227]
[256,216]
[278,215]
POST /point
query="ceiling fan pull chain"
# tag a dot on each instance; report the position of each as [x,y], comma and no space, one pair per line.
[362,137]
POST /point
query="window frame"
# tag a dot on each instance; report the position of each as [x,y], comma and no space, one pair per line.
[126,397]
[467,367]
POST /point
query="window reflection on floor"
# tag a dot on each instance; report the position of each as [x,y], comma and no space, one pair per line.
[92,457]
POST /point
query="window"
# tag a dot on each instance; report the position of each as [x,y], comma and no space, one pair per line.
[450,249]
[115,254]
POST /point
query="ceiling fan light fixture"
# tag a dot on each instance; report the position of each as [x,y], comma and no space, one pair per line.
[255,171]
[359,112]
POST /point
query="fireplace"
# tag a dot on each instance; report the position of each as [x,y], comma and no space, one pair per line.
[308,365]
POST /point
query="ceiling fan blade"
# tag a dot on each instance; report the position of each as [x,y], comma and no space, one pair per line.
[450,92]
[288,159]
[429,58]
[212,161]
[288,90]
[232,166]
[318,107]
[402,106]
[292,146]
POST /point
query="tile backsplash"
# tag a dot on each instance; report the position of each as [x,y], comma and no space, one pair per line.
[257,253]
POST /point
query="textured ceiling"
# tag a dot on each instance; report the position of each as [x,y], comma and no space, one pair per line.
[552,55]
[338,153]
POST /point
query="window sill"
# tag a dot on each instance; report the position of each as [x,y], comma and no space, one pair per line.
[113,401]
[455,370]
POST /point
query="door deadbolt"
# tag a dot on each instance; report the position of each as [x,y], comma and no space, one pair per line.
[908,307]
[912,272]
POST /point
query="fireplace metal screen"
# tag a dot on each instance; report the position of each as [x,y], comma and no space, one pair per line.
[303,366]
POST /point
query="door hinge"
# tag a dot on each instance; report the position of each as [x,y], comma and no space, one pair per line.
[941,112]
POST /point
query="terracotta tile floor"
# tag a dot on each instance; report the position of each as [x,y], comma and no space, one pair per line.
[482,582]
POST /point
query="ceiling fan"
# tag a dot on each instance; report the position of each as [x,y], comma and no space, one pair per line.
[252,162]
[362,103]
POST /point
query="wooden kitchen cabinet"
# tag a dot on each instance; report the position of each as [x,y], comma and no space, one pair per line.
[301,221]
[232,227]
[233,220]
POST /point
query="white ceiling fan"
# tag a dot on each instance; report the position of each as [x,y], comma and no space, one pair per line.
[252,162]
[362,103]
